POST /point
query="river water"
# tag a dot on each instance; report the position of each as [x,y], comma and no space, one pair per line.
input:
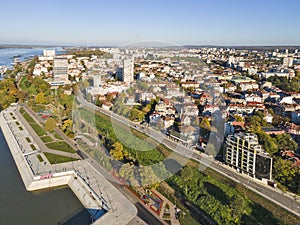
[8,55]
[19,207]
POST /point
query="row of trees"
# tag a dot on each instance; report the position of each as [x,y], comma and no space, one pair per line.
[287,175]
[271,144]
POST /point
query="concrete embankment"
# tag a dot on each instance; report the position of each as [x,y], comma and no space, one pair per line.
[111,206]
[24,170]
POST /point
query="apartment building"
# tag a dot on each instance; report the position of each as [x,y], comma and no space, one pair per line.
[243,152]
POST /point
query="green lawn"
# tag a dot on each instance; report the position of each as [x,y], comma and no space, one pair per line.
[188,220]
[28,117]
[40,158]
[54,159]
[46,139]
[56,135]
[37,128]
[61,146]
[22,110]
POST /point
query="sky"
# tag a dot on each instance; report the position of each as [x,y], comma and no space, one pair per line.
[179,22]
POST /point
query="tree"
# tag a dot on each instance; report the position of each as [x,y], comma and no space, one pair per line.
[277,120]
[136,115]
[127,172]
[237,206]
[285,142]
[285,173]
[205,127]
[238,118]
[205,124]
[67,124]
[117,151]
[40,98]
[148,177]
[50,124]
[268,143]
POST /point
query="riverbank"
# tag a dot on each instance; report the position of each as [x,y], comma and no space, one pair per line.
[77,175]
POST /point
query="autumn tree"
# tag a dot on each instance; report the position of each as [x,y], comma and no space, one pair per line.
[50,124]
[148,178]
[117,151]
[238,118]
[67,124]
[40,98]
[205,127]
[128,173]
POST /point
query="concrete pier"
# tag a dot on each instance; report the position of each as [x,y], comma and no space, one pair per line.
[104,202]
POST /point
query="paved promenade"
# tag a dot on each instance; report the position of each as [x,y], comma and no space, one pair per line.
[88,184]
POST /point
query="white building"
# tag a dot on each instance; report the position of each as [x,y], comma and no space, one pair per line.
[60,68]
[287,61]
[97,80]
[49,53]
[127,74]
[243,152]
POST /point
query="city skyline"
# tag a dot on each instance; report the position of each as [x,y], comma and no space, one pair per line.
[178,23]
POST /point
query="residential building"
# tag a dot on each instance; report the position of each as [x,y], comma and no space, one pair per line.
[60,69]
[288,61]
[49,53]
[97,80]
[243,152]
[127,74]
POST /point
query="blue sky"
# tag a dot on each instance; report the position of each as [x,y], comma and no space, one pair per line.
[115,22]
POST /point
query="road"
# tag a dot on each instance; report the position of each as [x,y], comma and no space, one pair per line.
[276,196]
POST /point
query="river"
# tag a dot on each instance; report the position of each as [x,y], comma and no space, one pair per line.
[7,55]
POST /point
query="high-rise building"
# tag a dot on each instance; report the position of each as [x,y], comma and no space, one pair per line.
[97,80]
[60,68]
[127,74]
[288,61]
[243,152]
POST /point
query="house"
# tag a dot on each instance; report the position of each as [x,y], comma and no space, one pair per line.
[188,109]
[248,86]
[205,98]
[234,127]
[287,100]
[189,84]
[253,98]
[208,109]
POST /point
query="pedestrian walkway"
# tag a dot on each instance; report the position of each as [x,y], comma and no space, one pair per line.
[97,194]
